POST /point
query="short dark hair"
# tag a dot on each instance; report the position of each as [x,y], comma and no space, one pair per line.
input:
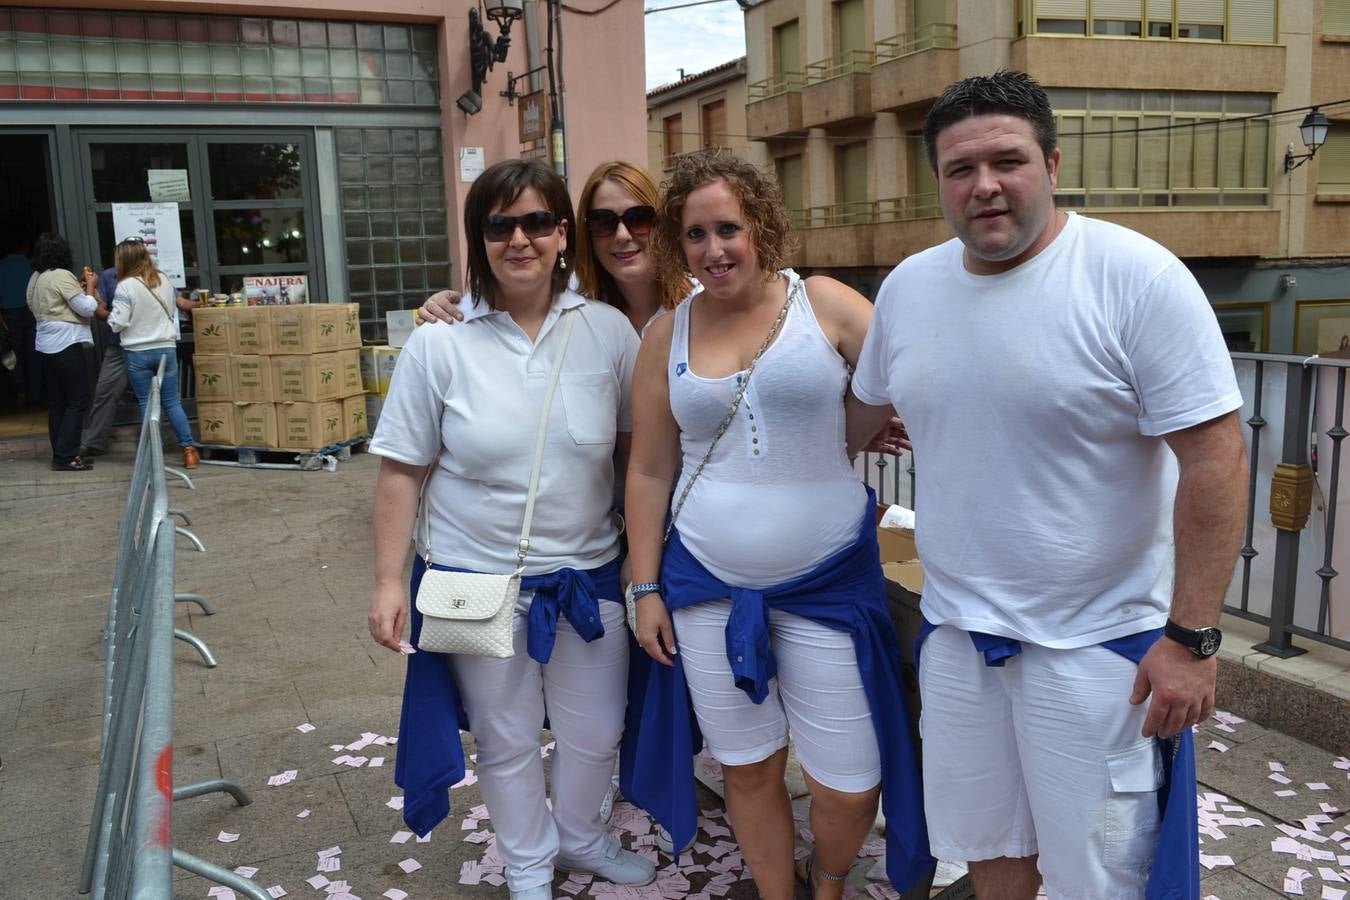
[51,252]
[1007,93]
[499,186]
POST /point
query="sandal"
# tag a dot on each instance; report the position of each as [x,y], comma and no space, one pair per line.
[77,464]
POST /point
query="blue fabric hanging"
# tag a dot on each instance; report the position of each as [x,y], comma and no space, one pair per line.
[430,755]
[847,592]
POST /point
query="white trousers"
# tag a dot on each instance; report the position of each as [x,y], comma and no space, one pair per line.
[583,692]
[818,692]
[1043,755]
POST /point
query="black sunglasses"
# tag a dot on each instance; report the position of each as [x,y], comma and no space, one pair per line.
[604,222]
[535,224]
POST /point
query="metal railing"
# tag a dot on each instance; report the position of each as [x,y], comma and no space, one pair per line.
[908,208]
[782,83]
[858,212]
[849,62]
[934,36]
[1286,576]
[129,852]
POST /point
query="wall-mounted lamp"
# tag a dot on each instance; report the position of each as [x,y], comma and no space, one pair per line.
[1313,130]
[484,51]
[1288,281]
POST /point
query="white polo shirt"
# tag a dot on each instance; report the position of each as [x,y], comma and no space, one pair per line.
[468,396]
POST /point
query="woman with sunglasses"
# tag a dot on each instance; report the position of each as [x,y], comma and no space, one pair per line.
[63,306]
[145,317]
[765,556]
[458,431]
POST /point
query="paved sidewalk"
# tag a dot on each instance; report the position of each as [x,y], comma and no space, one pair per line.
[288,568]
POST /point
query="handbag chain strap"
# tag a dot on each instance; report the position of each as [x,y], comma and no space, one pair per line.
[523,546]
[731,411]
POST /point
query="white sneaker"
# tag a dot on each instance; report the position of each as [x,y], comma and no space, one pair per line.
[666,843]
[607,804]
[538,892]
[616,865]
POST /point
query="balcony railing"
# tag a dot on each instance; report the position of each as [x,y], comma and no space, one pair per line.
[936,36]
[858,212]
[849,62]
[904,209]
[783,83]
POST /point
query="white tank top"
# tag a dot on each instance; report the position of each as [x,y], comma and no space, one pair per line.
[778,496]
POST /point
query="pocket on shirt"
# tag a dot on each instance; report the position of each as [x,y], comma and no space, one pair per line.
[1132,817]
[590,405]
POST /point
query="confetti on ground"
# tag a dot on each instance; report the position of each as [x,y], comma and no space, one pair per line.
[400,837]
[394,803]
[302,814]
[395,894]
[283,778]
[276,890]
[410,865]
[304,728]
[246,871]
[317,882]
[1218,745]
[226,837]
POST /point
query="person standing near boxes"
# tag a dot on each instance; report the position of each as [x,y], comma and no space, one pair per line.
[1071,405]
[144,315]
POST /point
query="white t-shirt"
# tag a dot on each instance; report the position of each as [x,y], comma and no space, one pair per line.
[467,397]
[1036,400]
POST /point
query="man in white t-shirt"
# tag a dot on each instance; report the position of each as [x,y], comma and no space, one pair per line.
[1081,485]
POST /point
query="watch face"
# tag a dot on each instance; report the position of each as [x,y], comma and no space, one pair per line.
[1209,641]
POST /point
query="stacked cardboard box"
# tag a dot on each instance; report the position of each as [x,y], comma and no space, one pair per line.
[283,377]
[377,370]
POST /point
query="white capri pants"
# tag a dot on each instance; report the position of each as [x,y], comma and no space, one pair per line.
[1043,755]
[583,690]
[817,692]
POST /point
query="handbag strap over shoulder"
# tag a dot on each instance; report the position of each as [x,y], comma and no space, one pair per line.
[731,411]
[522,547]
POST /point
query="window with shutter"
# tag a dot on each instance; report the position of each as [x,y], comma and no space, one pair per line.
[714,124]
[787,49]
[1251,21]
[1333,161]
[789,169]
[1336,17]
[850,29]
[673,127]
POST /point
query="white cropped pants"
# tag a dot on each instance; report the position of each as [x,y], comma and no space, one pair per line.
[583,691]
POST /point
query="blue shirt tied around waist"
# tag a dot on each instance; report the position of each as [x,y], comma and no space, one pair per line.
[430,756]
[1176,862]
[846,592]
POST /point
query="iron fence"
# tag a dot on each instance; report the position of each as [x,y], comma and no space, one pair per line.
[129,852]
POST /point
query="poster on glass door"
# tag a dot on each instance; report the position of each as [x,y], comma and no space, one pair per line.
[157,225]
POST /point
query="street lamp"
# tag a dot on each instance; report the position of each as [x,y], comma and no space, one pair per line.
[1313,130]
[484,51]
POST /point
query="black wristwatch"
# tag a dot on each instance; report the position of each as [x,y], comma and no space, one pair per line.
[1203,642]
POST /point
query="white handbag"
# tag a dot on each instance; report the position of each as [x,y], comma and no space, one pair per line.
[473,613]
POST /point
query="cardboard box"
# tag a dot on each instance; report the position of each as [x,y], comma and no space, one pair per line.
[295,329]
[249,330]
[331,325]
[374,406]
[309,426]
[900,559]
[256,424]
[354,418]
[399,323]
[306,379]
[212,371]
[216,424]
[351,326]
[251,378]
[210,329]
[377,368]
[349,373]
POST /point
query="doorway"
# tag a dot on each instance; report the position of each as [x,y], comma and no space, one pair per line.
[27,208]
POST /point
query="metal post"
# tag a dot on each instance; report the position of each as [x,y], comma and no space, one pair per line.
[1294,452]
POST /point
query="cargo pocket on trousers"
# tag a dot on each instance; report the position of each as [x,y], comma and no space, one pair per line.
[1132,816]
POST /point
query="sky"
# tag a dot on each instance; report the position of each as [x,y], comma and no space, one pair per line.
[695,38]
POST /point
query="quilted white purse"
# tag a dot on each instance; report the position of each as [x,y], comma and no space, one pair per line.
[473,613]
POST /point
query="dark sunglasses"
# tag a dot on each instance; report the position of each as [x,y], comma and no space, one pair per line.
[604,222]
[537,224]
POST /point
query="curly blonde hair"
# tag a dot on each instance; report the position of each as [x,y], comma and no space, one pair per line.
[761,202]
[592,279]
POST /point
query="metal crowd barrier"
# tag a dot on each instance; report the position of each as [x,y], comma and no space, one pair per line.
[129,852]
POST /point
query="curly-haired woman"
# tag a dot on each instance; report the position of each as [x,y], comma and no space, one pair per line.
[771,574]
